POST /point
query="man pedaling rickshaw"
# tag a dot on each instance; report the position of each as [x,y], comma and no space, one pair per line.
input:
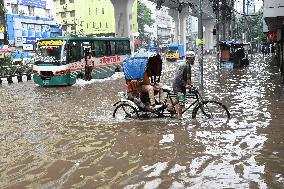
[181,83]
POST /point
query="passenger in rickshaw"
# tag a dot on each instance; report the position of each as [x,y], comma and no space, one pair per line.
[181,83]
[143,90]
[151,89]
[238,56]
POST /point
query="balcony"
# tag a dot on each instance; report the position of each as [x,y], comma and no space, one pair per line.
[273,13]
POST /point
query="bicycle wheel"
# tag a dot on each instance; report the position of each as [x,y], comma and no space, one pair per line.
[125,111]
[211,110]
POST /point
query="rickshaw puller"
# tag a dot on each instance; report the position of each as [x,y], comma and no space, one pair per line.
[182,82]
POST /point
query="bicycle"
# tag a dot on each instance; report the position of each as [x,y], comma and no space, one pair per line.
[135,103]
[135,108]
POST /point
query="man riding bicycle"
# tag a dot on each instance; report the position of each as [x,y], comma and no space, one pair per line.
[182,81]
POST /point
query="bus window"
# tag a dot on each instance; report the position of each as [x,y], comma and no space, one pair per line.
[108,48]
[122,47]
[112,48]
[75,52]
[53,52]
[100,48]
[93,49]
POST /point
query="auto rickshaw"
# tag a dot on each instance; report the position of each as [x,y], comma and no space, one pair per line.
[233,54]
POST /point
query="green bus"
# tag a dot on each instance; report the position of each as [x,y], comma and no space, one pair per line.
[61,61]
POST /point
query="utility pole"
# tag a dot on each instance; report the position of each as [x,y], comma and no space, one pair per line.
[244,14]
[223,16]
[200,44]
[217,30]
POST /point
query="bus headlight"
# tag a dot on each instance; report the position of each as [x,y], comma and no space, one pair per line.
[35,72]
[61,72]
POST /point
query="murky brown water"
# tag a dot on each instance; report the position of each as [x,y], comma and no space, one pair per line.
[66,137]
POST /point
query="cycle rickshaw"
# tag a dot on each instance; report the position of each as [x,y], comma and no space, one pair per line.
[233,54]
[135,104]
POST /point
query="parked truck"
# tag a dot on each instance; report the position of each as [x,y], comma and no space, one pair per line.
[175,52]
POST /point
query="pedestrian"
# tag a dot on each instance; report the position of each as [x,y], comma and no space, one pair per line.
[89,67]
[181,83]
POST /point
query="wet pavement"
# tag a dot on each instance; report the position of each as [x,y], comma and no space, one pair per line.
[66,137]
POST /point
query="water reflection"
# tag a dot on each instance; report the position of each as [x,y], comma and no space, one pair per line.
[66,137]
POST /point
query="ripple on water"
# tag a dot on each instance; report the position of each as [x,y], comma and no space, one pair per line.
[66,137]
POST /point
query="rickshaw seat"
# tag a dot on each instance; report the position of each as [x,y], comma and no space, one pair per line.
[134,86]
[225,55]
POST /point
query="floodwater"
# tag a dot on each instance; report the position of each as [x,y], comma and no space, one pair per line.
[66,137]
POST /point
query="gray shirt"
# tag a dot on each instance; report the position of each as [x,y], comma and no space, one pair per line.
[180,80]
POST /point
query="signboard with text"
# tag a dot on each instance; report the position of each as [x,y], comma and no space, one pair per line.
[33,3]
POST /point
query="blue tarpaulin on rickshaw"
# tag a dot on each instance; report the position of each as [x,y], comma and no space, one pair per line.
[135,66]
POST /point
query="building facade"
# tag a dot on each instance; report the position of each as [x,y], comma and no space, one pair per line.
[250,7]
[165,27]
[191,32]
[273,14]
[29,20]
[88,17]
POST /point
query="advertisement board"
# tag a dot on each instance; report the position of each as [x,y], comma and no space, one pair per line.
[25,30]
[31,30]
[38,31]
[45,29]
[33,3]
[28,47]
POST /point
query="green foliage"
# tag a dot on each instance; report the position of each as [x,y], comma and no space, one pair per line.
[144,15]
[255,26]
[2,8]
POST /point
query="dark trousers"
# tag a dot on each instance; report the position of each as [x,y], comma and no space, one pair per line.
[88,73]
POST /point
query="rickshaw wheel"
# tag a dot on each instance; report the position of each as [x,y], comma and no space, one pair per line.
[125,111]
[210,109]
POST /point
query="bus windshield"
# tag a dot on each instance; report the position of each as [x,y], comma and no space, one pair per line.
[49,52]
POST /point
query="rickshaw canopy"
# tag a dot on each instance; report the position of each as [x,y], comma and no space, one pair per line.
[232,44]
[135,66]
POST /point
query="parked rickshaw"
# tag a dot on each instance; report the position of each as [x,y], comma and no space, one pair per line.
[135,103]
[233,54]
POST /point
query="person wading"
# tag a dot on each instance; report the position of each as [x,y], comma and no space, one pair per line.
[89,67]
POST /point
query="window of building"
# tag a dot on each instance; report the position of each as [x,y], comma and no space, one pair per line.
[14,9]
[31,10]
[103,11]
[89,11]
[106,25]
[96,10]
[72,13]
[93,24]
[47,13]
[100,25]
[63,15]
[73,27]
[71,1]
[62,2]
[87,25]
[64,28]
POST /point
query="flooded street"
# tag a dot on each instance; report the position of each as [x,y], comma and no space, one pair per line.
[66,137]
